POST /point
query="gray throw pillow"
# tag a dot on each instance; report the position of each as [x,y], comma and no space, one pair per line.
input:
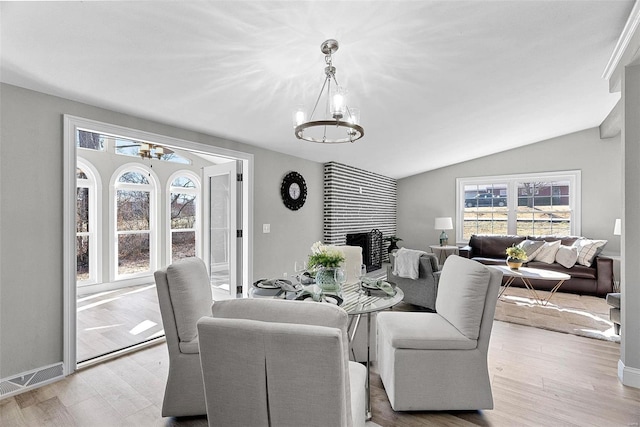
[531,247]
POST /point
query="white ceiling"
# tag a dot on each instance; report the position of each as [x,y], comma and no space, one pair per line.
[437,82]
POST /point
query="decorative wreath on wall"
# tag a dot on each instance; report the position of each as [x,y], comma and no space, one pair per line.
[293,191]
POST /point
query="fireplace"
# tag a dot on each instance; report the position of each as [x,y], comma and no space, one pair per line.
[371,244]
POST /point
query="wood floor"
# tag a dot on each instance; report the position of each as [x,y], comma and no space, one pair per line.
[539,378]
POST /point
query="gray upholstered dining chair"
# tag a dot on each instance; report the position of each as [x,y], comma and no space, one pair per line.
[184,295]
[438,361]
[281,363]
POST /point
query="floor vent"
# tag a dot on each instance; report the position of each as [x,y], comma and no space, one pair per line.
[30,380]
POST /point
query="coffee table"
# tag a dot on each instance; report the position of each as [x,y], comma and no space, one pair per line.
[526,274]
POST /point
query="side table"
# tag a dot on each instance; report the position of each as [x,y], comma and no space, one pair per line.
[442,252]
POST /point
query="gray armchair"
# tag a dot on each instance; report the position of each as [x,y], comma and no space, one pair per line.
[438,361]
[282,363]
[184,295]
[422,291]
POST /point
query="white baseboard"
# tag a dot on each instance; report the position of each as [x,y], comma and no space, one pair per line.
[628,376]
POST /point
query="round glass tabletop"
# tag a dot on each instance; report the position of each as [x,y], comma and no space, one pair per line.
[365,301]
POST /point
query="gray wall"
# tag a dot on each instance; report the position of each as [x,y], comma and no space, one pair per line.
[31,210]
[423,197]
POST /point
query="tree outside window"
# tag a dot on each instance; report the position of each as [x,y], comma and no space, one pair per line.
[133,223]
[183,220]
[82,225]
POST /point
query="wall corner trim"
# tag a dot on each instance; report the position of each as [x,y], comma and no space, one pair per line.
[628,376]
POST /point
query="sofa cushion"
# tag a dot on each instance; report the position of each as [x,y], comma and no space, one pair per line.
[578,271]
[488,246]
[490,261]
[432,260]
[564,240]
[588,250]
[461,294]
[567,256]
[547,253]
[190,295]
[422,331]
[531,247]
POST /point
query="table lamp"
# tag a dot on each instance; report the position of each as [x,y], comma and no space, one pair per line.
[444,223]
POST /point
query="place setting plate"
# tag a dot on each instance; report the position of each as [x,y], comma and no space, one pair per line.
[328,298]
[375,287]
[272,284]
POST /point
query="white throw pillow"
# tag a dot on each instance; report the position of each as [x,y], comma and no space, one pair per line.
[531,247]
[547,252]
[588,250]
[567,256]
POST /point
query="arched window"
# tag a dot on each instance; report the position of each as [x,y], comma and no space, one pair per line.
[184,220]
[87,223]
[134,218]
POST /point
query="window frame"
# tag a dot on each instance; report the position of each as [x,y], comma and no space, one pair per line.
[511,181]
[197,191]
[152,187]
[94,184]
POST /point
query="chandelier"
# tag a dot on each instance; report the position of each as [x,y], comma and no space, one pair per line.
[340,123]
[148,151]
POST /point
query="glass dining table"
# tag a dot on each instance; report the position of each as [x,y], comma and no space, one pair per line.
[359,302]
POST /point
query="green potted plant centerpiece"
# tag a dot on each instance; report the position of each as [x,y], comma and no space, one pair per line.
[326,262]
[516,256]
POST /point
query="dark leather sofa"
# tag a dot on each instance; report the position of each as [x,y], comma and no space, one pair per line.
[595,280]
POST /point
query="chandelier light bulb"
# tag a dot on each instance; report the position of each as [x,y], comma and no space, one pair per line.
[338,104]
[159,151]
[298,117]
[353,116]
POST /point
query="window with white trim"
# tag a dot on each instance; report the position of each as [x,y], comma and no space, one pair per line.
[184,189]
[527,204]
[135,195]
[90,140]
[87,223]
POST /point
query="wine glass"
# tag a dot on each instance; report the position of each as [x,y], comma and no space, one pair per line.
[361,272]
[299,267]
[341,278]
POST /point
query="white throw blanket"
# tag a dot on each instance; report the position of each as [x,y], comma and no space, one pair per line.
[407,263]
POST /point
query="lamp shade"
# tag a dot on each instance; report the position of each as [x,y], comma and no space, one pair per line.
[444,223]
[617,227]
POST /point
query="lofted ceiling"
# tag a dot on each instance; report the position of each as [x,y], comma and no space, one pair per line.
[437,82]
